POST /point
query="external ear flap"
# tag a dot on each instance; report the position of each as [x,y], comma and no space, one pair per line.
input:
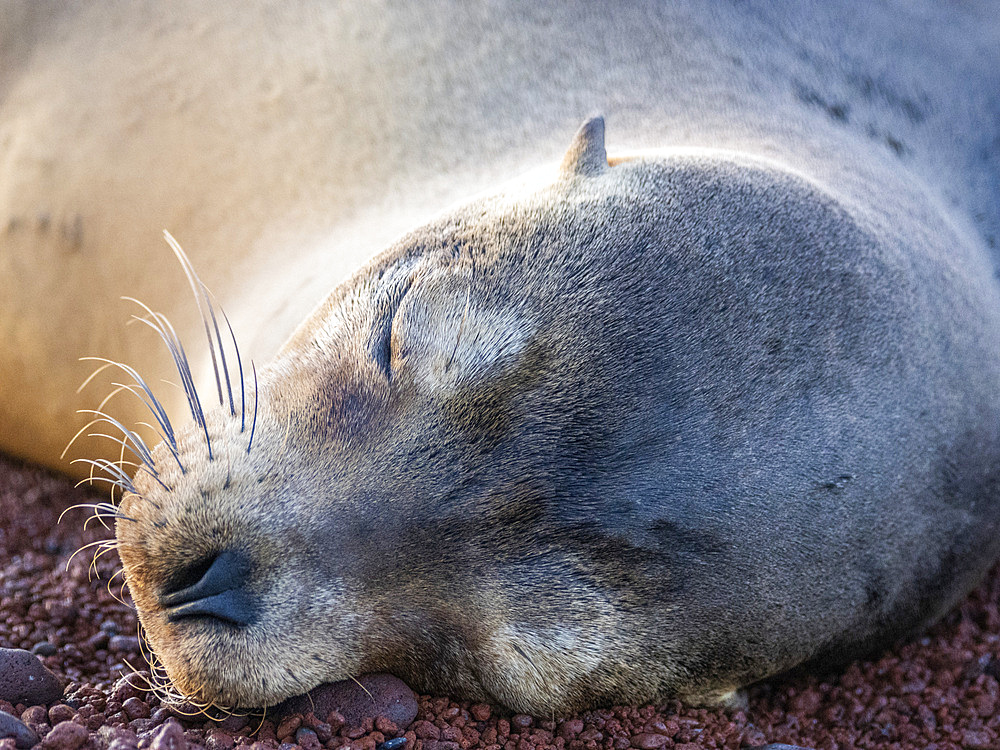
[586,155]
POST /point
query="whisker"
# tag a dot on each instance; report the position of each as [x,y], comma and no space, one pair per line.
[239,362]
[118,598]
[108,509]
[256,394]
[99,542]
[140,445]
[92,375]
[153,404]
[118,476]
[93,563]
[201,292]
[166,331]
[145,467]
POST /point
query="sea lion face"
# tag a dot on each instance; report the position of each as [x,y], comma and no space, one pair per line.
[357,533]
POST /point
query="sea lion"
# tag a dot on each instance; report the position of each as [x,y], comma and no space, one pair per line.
[663,455]
[683,419]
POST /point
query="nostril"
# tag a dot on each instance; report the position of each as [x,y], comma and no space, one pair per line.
[186,578]
[213,586]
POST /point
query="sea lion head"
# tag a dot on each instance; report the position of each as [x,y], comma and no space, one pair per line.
[442,474]
[359,507]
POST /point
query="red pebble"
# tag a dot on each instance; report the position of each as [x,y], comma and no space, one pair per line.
[370,696]
[426,731]
[66,735]
[168,736]
[649,741]
[217,739]
[570,728]
[135,708]
[59,713]
[288,726]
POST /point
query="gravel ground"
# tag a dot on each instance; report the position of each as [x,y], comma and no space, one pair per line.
[939,692]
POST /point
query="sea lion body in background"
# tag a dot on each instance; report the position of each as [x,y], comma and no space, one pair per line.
[681,420]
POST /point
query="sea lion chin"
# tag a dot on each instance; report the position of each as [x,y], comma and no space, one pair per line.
[662,428]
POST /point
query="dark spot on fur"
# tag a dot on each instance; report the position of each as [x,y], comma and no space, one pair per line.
[873,595]
[838,483]
[483,412]
[896,145]
[836,110]
[774,346]
[873,89]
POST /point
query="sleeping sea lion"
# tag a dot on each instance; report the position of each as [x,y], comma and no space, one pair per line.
[659,424]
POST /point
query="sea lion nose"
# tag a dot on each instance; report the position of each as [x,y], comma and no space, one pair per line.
[212,587]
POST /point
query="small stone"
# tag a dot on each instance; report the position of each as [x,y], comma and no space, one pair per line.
[168,736]
[136,708]
[141,726]
[976,740]
[521,721]
[43,648]
[216,739]
[59,713]
[24,679]
[110,735]
[649,741]
[397,743]
[67,735]
[440,745]
[125,689]
[778,746]
[288,727]
[234,722]
[591,734]
[35,715]
[371,696]
[11,727]
[323,731]
[986,705]
[480,711]
[354,732]
[97,641]
[307,739]
[426,731]
[336,720]
[570,728]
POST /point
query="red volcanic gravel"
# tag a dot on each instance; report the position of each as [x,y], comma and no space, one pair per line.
[940,692]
